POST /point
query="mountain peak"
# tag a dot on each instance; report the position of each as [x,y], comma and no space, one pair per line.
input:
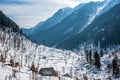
[63,11]
[86,3]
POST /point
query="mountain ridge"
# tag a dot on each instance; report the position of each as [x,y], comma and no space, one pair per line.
[98,31]
[63,34]
[69,25]
[56,18]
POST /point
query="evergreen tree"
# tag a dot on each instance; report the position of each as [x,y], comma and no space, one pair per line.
[86,52]
[97,60]
[90,56]
[115,64]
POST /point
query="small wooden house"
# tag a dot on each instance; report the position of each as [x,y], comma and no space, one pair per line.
[48,72]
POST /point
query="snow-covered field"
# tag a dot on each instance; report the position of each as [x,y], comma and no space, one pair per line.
[21,50]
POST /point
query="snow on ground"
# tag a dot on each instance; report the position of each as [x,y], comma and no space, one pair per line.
[62,61]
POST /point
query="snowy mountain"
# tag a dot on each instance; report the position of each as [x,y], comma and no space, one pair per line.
[73,29]
[50,22]
[56,18]
[109,5]
[21,59]
[70,25]
[104,29]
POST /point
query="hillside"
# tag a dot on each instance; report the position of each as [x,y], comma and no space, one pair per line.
[104,29]
[7,22]
[69,25]
[20,59]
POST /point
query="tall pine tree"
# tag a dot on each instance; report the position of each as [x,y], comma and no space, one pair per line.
[115,64]
[90,56]
[97,60]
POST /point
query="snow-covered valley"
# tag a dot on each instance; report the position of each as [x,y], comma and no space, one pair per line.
[20,59]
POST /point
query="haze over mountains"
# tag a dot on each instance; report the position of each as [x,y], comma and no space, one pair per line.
[91,22]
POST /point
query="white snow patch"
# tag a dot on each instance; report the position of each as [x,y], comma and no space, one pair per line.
[69,30]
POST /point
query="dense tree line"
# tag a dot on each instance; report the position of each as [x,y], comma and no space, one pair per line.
[93,59]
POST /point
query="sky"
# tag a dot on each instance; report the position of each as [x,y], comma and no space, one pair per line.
[28,13]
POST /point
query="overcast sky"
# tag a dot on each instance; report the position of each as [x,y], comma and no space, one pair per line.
[28,13]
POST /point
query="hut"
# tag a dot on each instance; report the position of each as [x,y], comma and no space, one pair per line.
[48,72]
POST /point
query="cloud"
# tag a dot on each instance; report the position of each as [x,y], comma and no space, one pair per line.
[27,13]
[12,2]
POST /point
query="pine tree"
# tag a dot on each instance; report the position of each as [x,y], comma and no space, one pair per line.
[115,64]
[90,56]
[86,52]
[97,60]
